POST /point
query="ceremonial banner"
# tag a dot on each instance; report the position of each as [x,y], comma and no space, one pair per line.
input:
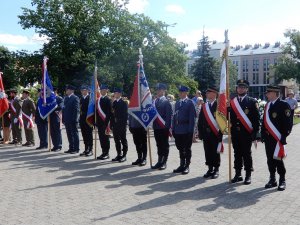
[3,99]
[47,100]
[221,113]
[140,105]
[94,90]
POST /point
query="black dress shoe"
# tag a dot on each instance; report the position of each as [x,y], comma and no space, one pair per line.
[247,180]
[55,149]
[30,145]
[122,159]
[117,158]
[163,166]
[215,174]
[74,152]
[208,174]
[186,170]
[41,147]
[12,142]
[69,151]
[26,144]
[83,153]
[156,166]
[89,153]
[143,162]
[179,169]
[271,183]
[281,186]
[103,157]
[237,178]
[136,162]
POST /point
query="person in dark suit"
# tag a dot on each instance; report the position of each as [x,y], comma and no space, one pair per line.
[139,135]
[42,127]
[209,133]
[161,126]
[103,115]
[86,129]
[70,117]
[183,129]
[55,123]
[244,115]
[119,124]
[276,127]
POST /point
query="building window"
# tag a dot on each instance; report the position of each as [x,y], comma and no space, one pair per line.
[266,64]
[255,78]
[245,69]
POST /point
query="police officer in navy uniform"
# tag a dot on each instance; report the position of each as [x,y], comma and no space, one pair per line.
[139,135]
[210,140]
[103,124]
[86,129]
[279,115]
[42,127]
[161,132]
[119,125]
[70,117]
[241,138]
[183,128]
[55,123]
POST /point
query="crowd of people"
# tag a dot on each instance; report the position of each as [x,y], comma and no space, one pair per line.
[185,121]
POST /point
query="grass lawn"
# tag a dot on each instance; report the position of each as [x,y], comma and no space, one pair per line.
[296,120]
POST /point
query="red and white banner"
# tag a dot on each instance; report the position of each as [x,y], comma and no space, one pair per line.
[280,152]
[4,106]
[213,125]
[241,115]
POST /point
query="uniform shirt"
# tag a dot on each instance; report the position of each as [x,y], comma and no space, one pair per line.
[164,108]
[184,117]
[250,107]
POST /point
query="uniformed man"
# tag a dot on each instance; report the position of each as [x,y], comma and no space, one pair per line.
[119,124]
[210,134]
[161,126]
[103,115]
[28,112]
[70,117]
[183,128]
[42,127]
[16,117]
[55,123]
[276,127]
[244,115]
[139,135]
[86,129]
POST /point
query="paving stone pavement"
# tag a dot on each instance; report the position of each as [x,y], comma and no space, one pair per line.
[41,187]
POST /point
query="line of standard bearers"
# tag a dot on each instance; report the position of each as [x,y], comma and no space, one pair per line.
[113,114]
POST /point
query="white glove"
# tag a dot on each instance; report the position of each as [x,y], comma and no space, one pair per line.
[15,120]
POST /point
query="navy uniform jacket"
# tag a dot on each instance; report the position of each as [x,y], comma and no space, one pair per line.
[204,129]
[105,105]
[84,104]
[37,117]
[119,114]
[70,112]
[164,108]
[280,116]
[250,107]
[184,117]
[54,116]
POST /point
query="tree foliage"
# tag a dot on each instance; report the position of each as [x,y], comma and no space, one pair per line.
[80,32]
[288,66]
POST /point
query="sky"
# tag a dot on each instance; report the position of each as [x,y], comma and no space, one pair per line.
[248,22]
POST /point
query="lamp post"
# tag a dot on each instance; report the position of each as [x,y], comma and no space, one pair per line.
[169,25]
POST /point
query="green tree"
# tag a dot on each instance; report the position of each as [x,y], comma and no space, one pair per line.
[205,67]
[7,62]
[289,64]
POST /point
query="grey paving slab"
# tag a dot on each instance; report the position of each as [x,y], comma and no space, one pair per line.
[41,187]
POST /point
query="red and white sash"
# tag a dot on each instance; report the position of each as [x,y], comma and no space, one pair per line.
[100,111]
[162,123]
[280,152]
[30,123]
[241,115]
[20,119]
[213,125]
[13,108]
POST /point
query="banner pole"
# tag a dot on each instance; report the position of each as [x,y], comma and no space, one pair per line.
[149,146]
[49,134]
[95,109]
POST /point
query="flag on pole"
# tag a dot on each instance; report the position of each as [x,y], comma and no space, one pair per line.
[90,118]
[3,99]
[140,105]
[47,100]
[221,113]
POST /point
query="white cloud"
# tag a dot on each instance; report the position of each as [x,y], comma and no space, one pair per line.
[175,9]
[10,39]
[137,6]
